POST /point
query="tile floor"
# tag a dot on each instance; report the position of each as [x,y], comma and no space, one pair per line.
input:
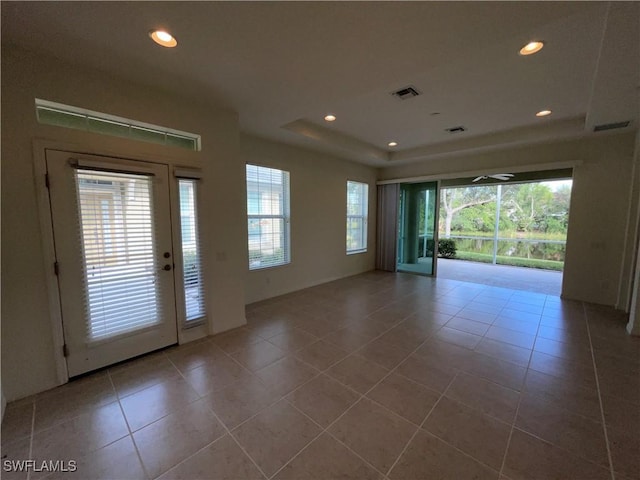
[381,376]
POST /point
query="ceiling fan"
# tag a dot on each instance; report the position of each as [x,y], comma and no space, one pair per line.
[498,176]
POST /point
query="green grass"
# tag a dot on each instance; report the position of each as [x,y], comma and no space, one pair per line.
[513,261]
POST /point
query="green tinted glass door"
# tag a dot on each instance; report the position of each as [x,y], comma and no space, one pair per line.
[417,227]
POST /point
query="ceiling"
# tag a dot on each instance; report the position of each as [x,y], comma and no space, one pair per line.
[284,65]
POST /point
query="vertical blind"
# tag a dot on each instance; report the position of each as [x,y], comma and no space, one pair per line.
[192,264]
[117,236]
[357,214]
[268,216]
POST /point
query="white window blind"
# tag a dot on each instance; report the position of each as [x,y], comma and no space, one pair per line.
[268,216]
[357,216]
[118,244]
[192,264]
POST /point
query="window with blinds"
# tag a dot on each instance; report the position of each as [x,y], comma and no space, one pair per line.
[268,217]
[120,264]
[192,265]
[357,216]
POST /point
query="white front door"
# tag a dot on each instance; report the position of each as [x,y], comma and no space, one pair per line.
[112,232]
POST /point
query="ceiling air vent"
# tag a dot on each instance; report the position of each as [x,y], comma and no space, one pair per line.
[611,126]
[406,93]
[456,129]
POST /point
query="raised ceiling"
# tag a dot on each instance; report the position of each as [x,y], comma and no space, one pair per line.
[284,65]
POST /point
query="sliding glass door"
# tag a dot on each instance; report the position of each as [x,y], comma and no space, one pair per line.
[417,228]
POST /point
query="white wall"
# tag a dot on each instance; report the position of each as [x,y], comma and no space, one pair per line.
[318,218]
[599,205]
[28,364]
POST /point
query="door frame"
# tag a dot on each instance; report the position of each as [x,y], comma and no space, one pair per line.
[117,148]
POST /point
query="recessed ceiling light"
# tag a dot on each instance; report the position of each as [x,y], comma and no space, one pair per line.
[163,38]
[543,113]
[393,144]
[531,48]
[330,118]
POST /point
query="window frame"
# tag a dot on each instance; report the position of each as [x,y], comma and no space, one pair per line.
[363,216]
[285,216]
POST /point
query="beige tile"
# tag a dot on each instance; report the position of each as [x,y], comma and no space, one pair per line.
[504,373]
[577,373]
[619,413]
[293,339]
[626,387]
[326,458]
[432,374]
[268,328]
[316,327]
[475,313]
[580,435]
[426,321]
[275,435]
[258,355]
[368,327]
[504,351]
[488,397]
[512,337]
[574,352]
[323,399]
[347,339]
[428,457]
[142,373]
[286,374]
[564,394]
[467,325]
[155,402]
[215,375]
[529,458]
[476,434]
[384,354]
[457,337]
[625,445]
[189,356]
[408,399]
[17,422]
[15,451]
[321,354]
[357,372]
[222,460]
[177,436]
[374,433]
[519,316]
[235,340]
[574,332]
[530,328]
[405,338]
[446,353]
[72,399]
[118,460]
[81,435]
[240,400]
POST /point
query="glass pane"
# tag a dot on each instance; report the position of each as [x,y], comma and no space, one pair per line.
[267,242]
[117,234]
[192,267]
[268,210]
[417,227]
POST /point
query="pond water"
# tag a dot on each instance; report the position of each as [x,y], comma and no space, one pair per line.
[538,249]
